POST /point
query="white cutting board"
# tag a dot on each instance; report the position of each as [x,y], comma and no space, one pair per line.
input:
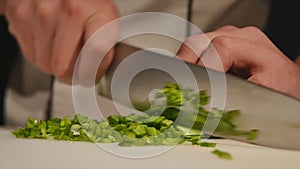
[31,154]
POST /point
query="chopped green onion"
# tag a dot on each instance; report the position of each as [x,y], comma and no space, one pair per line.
[222,154]
[148,129]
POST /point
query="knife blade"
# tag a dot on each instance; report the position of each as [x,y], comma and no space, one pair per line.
[275,115]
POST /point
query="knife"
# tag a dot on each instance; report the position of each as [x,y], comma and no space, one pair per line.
[275,115]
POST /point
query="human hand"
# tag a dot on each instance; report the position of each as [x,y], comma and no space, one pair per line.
[246,52]
[51,33]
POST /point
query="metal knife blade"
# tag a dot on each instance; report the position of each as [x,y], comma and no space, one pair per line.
[275,115]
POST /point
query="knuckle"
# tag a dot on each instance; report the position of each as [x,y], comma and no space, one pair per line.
[109,6]
[194,41]
[98,48]
[188,47]
[252,29]
[191,40]
[73,7]
[195,45]
[18,13]
[256,33]
[43,10]
[228,28]
[184,51]
[183,48]
[223,41]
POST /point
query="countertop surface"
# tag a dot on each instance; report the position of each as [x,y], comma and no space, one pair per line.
[35,153]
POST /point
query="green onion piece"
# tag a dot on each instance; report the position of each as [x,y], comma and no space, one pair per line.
[206,144]
[222,154]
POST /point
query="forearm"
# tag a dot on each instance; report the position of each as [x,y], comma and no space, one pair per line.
[2,4]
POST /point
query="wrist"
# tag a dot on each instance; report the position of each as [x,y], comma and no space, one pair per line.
[2,7]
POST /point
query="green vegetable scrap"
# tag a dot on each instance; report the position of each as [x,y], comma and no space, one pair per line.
[145,130]
[141,130]
[137,130]
[178,98]
[222,154]
[78,129]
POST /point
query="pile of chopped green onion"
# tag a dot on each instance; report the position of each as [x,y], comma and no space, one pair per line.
[141,130]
